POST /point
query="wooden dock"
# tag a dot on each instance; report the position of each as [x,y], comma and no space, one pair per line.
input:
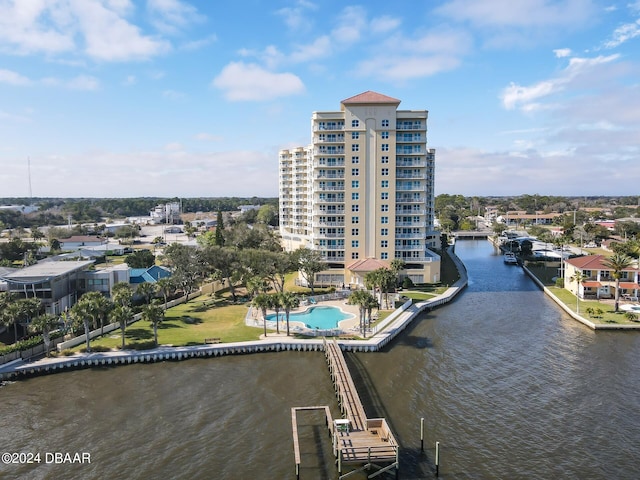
[356,439]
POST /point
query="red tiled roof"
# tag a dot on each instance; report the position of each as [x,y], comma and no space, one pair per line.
[591,284]
[370,97]
[367,265]
[629,285]
[593,262]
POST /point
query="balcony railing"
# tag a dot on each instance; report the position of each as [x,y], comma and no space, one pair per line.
[329,200]
[410,199]
[332,175]
[325,258]
[336,139]
[410,126]
[411,224]
[400,211]
[401,187]
[410,235]
[328,213]
[331,224]
[409,247]
[325,164]
[420,176]
[411,163]
[330,188]
[329,150]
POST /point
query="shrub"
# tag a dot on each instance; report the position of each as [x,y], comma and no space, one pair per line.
[560,282]
[407,283]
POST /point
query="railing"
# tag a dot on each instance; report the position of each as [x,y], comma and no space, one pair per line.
[410,212]
[400,126]
[412,175]
[410,200]
[409,247]
[331,188]
[331,224]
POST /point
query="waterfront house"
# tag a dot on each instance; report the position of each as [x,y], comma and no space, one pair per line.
[598,280]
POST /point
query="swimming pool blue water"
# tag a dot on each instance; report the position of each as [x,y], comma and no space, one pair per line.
[323,318]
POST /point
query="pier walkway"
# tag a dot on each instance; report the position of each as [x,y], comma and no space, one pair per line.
[356,439]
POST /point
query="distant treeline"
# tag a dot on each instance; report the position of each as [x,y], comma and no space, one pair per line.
[56,211]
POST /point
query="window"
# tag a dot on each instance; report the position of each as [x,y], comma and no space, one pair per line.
[384,159]
[355,243]
[355,135]
[355,196]
[384,208]
[355,219]
[384,243]
[354,255]
[384,255]
[355,172]
[355,208]
[384,134]
[385,147]
[355,183]
[384,232]
[355,123]
[355,147]
[385,123]
[384,195]
[385,172]
[355,159]
[384,184]
[355,231]
[384,219]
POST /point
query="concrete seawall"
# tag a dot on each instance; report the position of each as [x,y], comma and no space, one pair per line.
[385,332]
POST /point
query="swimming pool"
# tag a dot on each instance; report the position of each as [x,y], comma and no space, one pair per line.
[323,318]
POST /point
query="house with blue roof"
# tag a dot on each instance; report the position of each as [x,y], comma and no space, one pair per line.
[151,274]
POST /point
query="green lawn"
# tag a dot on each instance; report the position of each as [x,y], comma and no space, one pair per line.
[188,324]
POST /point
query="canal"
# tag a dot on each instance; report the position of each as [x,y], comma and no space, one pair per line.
[510,386]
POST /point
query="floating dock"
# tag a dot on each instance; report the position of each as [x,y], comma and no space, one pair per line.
[356,439]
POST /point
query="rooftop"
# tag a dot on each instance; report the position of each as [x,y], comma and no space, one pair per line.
[48,269]
[370,97]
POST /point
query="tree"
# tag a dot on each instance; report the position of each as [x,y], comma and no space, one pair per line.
[121,315]
[397,265]
[147,290]
[44,324]
[263,302]
[140,259]
[578,277]
[224,264]
[219,235]
[369,304]
[275,305]
[617,263]
[121,294]
[21,310]
[186,264]
[288,301]
[309,263]
[267,214]
[165,288]
[155,314]
[361,298]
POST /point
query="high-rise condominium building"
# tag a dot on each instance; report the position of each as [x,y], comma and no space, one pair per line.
[362,193]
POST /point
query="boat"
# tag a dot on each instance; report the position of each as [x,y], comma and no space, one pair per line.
[510,258]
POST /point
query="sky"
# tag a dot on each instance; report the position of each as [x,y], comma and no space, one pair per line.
[176,98]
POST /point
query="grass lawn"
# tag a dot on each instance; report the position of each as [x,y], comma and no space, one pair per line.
[418,296]
[188,324]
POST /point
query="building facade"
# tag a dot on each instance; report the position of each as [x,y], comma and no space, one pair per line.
[363,189]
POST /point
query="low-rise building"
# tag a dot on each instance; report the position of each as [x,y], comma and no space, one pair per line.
[598,281]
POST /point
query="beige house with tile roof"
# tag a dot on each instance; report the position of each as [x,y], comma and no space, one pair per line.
[599,282]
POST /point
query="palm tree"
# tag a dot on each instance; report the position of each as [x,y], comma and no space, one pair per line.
[165,287]
[288,301]
[274,304]
[578,277]
[97,306]
[147,291]
[155,314]
[369,304]
[263,302]
[80,313]
[44,324]
[361,298]
[618,262]
[121,294]
[397,265]
[121,315]
[18,311]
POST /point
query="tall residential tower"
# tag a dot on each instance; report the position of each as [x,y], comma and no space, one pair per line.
[362,193]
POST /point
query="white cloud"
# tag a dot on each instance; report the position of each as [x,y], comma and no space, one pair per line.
[130,80]
[437,51]
[246,81]
[518,96]
[623,34]
[56,27]
[170,16]
[83,82]
[352,21]
[384,24]
[296,17]
[562,52]
[200,43]
[523,13]
[173,94]
[13,78]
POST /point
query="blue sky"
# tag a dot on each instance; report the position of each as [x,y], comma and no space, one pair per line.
[123,98]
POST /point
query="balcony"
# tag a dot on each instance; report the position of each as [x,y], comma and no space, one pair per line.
[329,235]
[331,224]
[408,247]
[328,200]
[328,213]
[329,139]
[410,235]
[410,150]
[400,211]
[410,199]
[419,176]
[325,258]
[411,126]
[325,188]
[331,247]
[418,162]
[322,150]
[332,175]
[401,187]
[328,164]
[325,128]
[411,224]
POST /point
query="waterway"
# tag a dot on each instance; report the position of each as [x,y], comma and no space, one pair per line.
[510,386]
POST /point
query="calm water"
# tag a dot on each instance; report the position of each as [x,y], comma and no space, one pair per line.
[509,386]
[316,317]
